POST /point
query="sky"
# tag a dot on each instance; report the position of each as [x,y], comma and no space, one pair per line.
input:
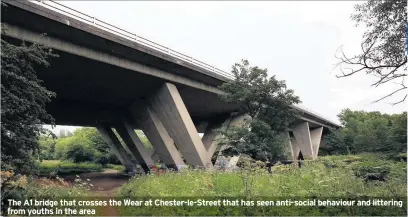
[296,41]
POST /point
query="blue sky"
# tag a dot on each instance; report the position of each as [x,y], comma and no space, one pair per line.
[296,41]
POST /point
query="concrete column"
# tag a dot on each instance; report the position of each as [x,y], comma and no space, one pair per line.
[302,135]
[290,147]
[172,112]
[160,139]
[295,148]
[316,137]
[110,138]
[135,146]
[211,135]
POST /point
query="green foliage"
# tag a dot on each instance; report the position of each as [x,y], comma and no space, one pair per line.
[21,187]
[86,144]
[268,103]
[368,132]
[79,153]
[247,162]
[23,99]
[112,159]
[93,138]
[55,167]
[117,167]
[313,180]
[47,147]
[144,139]
[62,145]
[363,170]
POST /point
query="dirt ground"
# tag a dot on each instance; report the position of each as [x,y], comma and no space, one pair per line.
[105,181]
[104,184]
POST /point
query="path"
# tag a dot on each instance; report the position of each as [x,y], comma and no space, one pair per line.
[105,185]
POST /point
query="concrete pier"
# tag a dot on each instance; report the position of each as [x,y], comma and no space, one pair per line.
[302,135]
[136,147]
[172,112]
[316,136]
[158,136]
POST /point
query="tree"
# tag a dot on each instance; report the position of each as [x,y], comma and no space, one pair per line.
[93,137]
[47,147]
[368,132]
[383,47]
[23,104]
[81,153]
[268,102]
[335,143]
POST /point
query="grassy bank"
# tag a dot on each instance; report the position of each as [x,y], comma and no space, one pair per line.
[329,177]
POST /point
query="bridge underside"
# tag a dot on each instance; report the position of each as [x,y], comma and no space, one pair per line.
[92,93]
[116,86]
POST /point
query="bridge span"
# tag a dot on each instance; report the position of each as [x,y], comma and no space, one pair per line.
[109,78]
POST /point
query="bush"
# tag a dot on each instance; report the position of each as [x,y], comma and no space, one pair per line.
[112,159]
[53,168]
[80,153]
[363,170]
[103,160]
[398,157]
[12,187]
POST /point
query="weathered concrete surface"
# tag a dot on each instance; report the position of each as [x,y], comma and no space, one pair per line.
[172,112]
[295,148]
[88,53]
[290,147]
[302,136]
[88,98]
[135,146]
[316,136]
[158,137]
[28,15]
[92,60]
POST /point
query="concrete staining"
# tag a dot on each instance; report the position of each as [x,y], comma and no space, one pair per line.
[112,83]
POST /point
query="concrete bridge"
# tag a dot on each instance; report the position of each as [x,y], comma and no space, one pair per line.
[109,78]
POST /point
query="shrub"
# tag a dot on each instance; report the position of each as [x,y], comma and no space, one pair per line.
[12,187]
[103,160]
[55,188]
[398,156]
[53,168]
[80,153]
[112,158]
[363,169]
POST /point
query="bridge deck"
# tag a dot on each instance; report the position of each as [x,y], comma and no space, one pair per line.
[89,90]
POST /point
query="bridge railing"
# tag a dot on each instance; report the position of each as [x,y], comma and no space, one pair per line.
[67,11]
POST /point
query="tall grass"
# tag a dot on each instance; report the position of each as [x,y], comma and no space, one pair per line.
[329,177]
